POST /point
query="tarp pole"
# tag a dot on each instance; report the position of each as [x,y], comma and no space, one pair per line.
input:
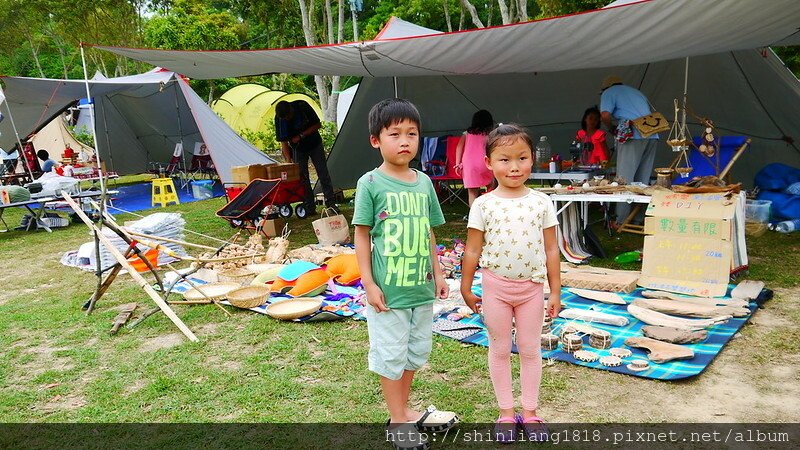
[180,126]
[108,137]
[395,87]
[21,150]
[685,90]
[103,192]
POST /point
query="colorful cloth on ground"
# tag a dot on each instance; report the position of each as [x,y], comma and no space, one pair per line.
[400,215]
[343,303]
[512,230]
[705,351]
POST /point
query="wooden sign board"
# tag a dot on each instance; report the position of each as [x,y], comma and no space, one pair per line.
[686,265]
[706,206]
[688,227]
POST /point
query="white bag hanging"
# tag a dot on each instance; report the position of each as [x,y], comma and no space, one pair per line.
[330,229]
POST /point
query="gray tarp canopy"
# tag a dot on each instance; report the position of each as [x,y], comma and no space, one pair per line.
[138,118]
[544,73]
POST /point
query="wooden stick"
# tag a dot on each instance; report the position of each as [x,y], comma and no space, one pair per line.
[733,159]
[172,241]
[192,284]
[190,302]
[144,315]
[134,274]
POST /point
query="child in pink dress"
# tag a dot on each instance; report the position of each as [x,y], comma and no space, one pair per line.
[591,133]
[471,152]
[512,235]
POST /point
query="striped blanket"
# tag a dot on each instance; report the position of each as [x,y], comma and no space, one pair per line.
[705,351]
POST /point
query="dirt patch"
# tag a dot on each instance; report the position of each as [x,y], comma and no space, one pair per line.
[160,342]
[65,402]
[134,387]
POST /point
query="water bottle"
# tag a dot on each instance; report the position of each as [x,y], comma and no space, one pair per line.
[788,226]
[543,153]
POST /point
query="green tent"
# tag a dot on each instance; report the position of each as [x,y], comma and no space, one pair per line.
[252,106]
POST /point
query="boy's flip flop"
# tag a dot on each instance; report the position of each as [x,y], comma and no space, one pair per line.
[406,436]
[434,421]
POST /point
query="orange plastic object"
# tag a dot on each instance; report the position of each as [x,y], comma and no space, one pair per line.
[140,266]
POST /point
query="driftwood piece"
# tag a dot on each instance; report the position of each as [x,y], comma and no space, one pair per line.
[599,278]
[747,289]
[133,273]
[588,315]
[651,317]
[688,309]
[125,313]
[674,335]
[707,301]
[660,352]
[144,316]
[598,296]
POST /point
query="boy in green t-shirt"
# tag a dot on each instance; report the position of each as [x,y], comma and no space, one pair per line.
[395,208]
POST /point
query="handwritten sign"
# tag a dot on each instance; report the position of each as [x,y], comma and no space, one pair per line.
[708,206]
[686,265]
[688,227]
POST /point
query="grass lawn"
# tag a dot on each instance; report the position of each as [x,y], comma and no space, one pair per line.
[59,365]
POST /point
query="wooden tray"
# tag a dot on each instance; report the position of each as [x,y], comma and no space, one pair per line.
[293,309]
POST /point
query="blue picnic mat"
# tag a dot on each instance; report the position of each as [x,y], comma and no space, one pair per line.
[705,351]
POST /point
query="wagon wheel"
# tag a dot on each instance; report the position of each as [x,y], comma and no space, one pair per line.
[285,211]
[300,210]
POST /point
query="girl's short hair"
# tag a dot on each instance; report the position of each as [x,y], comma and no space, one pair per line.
[42,154]
[392,111]
[482,122]
[592,110]
[507,134]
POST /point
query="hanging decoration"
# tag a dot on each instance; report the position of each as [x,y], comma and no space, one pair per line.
[679,139]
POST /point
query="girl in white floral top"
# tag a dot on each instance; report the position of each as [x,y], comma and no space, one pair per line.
[512,236]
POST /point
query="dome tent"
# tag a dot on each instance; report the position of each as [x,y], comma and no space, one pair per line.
[252,106]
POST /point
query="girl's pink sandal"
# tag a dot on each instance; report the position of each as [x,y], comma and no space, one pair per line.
[535,430]
[505,429]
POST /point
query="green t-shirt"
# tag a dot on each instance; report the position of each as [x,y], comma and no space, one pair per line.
[401,215]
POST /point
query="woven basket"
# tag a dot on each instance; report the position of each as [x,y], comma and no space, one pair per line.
[214,291]
[239,275]
[249,296]
[293,309]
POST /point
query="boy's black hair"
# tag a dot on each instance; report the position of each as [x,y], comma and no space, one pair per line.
[392,111]
[482,123]
[282,109]
[592,110]
[507,134]
[42,154]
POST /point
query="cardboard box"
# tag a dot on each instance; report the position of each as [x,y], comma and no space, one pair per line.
[689,227]
[246,174]
[691,248]
[693,266]
[284,171]
[272,227]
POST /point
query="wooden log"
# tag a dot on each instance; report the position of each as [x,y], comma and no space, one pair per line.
[171,241]
[134,274]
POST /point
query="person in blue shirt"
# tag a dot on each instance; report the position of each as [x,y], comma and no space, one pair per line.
[48,165]
[635,154]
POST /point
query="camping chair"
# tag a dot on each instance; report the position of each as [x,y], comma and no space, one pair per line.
[173,168]
[449,186]
[719,164]
[201,166]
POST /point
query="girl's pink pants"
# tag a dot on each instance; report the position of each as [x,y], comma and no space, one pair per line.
[522,300]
